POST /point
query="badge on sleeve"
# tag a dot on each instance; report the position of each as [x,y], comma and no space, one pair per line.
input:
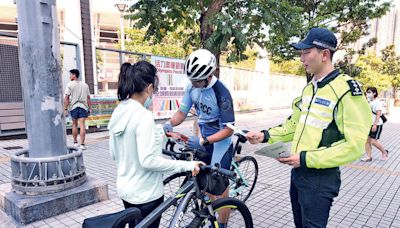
[355,88]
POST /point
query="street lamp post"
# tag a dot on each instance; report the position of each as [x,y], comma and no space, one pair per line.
[122,7]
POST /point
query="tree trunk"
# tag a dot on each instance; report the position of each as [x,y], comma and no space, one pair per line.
[207,28]
[216,72]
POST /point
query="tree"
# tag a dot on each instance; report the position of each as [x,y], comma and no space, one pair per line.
[219,25]
[293,67]
[371,72]
[348,18]
[232,25]
[391,67]
[172,45]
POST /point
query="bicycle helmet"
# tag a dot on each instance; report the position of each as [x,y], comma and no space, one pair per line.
[200,64]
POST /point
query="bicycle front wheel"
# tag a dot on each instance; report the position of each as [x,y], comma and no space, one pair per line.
[171,186]
[247,171]
[229,211]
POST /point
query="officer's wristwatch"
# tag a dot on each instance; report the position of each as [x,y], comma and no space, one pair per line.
[205,142]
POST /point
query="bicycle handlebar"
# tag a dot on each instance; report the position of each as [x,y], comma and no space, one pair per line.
[208,168]
[218,170]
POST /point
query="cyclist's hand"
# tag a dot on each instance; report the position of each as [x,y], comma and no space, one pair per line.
[196,169]
[194,143]
[167,127]
[255,137]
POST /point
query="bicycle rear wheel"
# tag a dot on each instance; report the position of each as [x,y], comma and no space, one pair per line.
[248,174]
[238,216]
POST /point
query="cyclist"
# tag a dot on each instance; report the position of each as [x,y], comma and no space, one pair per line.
[136,141]
[214,107]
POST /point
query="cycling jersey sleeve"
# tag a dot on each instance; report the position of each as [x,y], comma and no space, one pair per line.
[187,102]
[225,103]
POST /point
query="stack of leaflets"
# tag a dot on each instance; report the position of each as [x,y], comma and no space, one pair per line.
[276,150]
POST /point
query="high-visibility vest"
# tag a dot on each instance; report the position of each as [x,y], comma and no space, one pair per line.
[332,124]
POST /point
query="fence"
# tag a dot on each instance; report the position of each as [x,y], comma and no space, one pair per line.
[12,118]
[250,89]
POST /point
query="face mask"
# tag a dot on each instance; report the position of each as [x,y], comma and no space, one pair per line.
[148,102]
[370,95]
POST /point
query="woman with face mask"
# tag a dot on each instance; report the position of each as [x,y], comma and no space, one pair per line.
[136,141]
[376,130]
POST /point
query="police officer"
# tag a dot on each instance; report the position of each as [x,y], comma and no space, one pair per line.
[330,130]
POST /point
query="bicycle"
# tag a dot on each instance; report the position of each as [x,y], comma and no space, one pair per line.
[205,216]
[246,168]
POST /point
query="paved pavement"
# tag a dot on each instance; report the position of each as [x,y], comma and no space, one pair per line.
[369,195]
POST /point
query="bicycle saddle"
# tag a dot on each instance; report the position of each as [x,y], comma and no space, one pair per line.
[115,220]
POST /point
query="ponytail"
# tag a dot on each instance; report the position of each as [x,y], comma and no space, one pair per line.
[135,78]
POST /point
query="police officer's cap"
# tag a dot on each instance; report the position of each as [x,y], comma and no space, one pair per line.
[318,37]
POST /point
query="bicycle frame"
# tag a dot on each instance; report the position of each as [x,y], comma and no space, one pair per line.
[237,150]
[187,191]
[233,193]
[186,188]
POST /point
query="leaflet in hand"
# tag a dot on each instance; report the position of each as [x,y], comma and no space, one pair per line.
[235,129]
[276,150]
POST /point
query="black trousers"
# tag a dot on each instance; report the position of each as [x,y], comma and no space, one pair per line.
[311,194]
[146,209]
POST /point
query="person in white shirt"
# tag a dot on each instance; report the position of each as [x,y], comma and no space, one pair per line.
[136,141]
[377,125]
[77,99]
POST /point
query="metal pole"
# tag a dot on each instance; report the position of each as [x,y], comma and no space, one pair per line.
[122,36]
[39,60]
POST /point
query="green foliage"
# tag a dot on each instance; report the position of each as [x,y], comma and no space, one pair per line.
[391,67]
[372,72]
[99,60]
[248,63]
[172,44]
[293,67]
[391,61]
[230,26]
[221,25]
[347,17]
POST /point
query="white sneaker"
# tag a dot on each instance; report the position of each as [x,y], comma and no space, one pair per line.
[76,145]
[82,147]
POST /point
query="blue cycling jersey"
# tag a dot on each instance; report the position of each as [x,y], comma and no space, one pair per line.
[213,104]
[214,108]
